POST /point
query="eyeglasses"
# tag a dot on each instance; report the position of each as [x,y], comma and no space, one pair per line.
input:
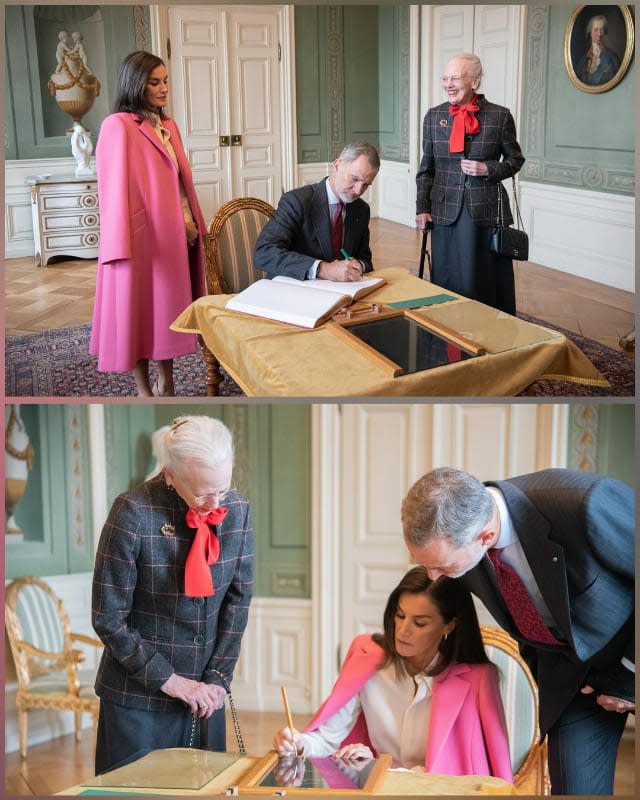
[217,497]
[451,78]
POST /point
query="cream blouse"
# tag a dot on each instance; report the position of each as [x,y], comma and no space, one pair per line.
[165,137]
[397,713]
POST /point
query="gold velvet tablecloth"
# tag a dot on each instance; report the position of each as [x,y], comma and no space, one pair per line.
[172,771]
[272,359]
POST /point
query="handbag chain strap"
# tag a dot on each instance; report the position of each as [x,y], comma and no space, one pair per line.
[234,713]
[520,225]
[234,717]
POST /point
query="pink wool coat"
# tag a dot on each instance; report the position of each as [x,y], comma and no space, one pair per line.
[146,273]
[467,728]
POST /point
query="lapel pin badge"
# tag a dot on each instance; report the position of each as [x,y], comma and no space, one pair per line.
[168,529]
[444,123]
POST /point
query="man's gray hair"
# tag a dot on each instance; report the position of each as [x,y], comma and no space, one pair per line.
[447,504]
[354,150]
[200,439]
[474,65]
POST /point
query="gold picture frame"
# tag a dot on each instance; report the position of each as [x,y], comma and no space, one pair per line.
[607,29]
[251,781]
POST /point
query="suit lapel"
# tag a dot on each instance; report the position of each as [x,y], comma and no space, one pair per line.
[146,129]
[321,219]
[450,692]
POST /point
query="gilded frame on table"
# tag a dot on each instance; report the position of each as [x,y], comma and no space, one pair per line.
[614,62]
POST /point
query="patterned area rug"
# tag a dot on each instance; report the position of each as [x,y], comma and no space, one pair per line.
[56,364]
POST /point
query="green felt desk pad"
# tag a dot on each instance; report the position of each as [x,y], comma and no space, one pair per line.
[418,302]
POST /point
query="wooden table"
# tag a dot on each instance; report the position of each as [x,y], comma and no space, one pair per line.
[272,359]
[189,766]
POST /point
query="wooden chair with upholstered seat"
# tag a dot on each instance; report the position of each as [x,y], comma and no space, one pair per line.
[228,249]
[229,244]
[47,663]
[520,699]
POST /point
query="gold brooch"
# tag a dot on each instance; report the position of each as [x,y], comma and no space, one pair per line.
[168,529]
[444,123]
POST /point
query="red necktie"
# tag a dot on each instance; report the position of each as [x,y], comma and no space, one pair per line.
[464,121]
[519,602]
[204,551]
[336,230]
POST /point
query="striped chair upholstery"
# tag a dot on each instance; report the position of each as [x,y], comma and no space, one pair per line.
[520,699]
[229,244]
[47,664]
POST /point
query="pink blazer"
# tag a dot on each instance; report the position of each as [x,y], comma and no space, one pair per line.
[467,729]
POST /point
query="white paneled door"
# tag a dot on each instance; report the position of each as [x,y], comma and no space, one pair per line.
[226,96]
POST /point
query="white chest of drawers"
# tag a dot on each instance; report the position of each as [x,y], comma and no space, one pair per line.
[66,219]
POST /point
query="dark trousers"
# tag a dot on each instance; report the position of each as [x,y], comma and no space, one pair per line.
[461,261]
[583,746]
[127,734]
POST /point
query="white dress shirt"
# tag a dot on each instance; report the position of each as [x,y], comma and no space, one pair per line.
[397,714]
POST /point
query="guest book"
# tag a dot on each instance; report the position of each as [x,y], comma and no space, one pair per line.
[304,303]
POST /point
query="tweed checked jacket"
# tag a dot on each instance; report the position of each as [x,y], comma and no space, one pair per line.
[300,233]
[441,184]
[577,532]
[149,628]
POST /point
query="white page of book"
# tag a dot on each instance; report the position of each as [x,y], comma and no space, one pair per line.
[287,302]
[352,288]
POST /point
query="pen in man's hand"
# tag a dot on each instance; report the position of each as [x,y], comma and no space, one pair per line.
[344,254]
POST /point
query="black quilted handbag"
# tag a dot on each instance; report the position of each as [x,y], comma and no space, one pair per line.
[506,240]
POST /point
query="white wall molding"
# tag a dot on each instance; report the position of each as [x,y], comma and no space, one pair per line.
[396,185]
[580,232]
[276,651]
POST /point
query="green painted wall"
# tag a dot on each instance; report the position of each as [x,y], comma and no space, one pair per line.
[352,79]
[393,82]
[610,438]
[36,129]
[272,468]
[55,510]
[571,137]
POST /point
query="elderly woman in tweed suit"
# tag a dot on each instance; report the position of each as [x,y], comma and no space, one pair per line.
[171,592]
[469,146]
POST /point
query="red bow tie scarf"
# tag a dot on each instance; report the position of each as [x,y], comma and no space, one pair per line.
[464,121]
[204,551]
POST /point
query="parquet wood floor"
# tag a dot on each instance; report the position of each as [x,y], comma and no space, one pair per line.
[62,293]
[63,763]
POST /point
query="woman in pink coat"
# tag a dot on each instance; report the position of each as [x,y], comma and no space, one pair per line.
[423,691]
[150,266]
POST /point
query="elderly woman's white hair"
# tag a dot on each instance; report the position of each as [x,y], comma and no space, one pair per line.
[196,438]
[474,64]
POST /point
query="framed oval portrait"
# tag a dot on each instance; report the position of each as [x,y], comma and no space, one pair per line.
[598,46]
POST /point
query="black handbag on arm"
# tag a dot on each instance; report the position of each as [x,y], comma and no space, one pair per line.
[508,241]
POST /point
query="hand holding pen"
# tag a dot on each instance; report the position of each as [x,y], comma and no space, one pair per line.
[285,740]
[349,269]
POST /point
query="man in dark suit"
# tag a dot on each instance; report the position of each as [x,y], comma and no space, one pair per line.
[551,556]
[322,230]
[469,146]
[170,604]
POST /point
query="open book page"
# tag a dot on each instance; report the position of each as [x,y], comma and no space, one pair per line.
[288,302]
[355,289]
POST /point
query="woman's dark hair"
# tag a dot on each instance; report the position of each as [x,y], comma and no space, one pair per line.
[463,645]
[132,80]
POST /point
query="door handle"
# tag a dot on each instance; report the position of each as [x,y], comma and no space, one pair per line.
[224,141]
[236,140]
